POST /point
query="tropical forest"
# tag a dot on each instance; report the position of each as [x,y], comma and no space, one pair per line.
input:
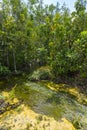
[43,65]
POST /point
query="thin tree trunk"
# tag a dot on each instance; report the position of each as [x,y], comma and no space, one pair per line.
[7,59]
[14,58]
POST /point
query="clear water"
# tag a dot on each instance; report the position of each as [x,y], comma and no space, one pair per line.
[43,100]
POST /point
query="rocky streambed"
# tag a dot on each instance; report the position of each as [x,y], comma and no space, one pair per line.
[42,106]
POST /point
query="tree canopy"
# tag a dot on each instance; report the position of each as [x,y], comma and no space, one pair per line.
[35,34]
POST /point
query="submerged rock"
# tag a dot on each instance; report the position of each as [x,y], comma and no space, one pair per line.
[6,106]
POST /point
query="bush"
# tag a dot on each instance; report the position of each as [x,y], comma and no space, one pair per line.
[65,64]
[4,70]
[43,73]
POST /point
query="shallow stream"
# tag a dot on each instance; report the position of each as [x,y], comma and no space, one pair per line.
[45,101]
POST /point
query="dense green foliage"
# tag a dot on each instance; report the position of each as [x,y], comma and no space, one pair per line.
[43,73]
[34,35]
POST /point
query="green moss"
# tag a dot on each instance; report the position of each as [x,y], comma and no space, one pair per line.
[72,92]
[50,99]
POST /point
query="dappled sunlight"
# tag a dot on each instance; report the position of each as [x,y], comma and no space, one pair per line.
[43,65]
[5,94]
[71,90]
[29,120]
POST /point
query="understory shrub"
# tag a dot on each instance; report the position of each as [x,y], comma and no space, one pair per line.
[43,73]
[4,70]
